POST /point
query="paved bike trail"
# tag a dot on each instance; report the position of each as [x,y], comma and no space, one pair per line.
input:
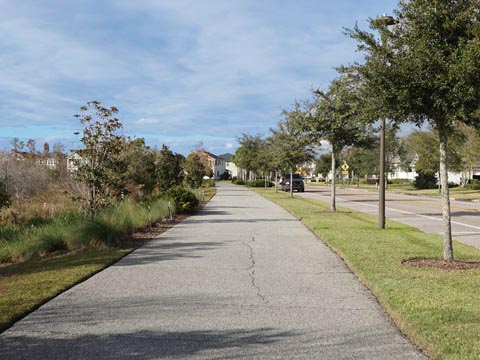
[241,279]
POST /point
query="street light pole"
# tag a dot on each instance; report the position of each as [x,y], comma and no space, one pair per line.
[383,21]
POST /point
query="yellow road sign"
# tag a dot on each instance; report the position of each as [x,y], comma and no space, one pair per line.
[345,167]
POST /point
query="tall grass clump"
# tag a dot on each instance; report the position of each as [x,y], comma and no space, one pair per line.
[117,223]
[36,238]
[70,231]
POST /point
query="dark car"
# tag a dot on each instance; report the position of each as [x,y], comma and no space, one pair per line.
[297,183]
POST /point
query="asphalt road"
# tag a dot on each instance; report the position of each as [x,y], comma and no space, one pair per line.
[242,279]
[424,213]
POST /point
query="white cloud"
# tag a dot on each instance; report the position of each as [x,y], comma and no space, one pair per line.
[181,69]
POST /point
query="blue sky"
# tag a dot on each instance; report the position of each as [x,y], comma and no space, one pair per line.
[179,71]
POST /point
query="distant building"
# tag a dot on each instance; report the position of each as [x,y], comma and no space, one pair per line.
[230,166]
[214,163]
[74,160]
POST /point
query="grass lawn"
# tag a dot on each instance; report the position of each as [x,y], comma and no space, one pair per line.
[26,286]
[437,310]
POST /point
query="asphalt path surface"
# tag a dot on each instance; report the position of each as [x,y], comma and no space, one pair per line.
[241,279]
[422,212]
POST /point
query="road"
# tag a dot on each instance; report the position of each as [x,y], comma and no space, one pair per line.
[241,279]
[424,213]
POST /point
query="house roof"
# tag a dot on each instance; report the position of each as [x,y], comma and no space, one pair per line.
[227,157]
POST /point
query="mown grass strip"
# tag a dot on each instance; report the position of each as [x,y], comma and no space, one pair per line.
[26,286]
[437,310]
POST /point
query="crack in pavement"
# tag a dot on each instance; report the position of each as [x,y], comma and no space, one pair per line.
[251,270]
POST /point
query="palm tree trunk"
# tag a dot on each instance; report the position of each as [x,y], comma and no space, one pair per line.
[447,226]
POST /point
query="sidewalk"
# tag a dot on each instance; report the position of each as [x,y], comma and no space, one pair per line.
[241,279]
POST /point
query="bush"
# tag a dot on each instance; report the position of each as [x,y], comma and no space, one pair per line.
[208,182]
[259,183]
[225,176]
[425,181]
[313,180]
[184,200]
[238,182]
[473,184]
[400,181]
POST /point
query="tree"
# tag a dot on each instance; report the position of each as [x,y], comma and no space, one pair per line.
[102,171]
[469,149]
[17,144]
[31,146]
[169,169]
[194,170]
[333,117]
[427,161]
[46,148]
[138,161]
[246,156]
[289,148]
[426,70]
[323,165]
[58,149]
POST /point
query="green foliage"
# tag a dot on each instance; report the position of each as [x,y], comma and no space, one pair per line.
[225,176]
[208,182]
[102,169]
[139,163]
[425,144]
[251,155]
[323,165]
[169,169]
[185,201]
[472,185]
[290,147]
[194,170]
[425,181]
[425,70]
[399,181]
[259,183]
[238,182]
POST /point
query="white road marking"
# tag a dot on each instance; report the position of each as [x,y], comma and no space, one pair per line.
[410,213]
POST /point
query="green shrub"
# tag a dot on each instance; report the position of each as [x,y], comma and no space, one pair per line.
[208,182]
[425,181]
[184,200]
[238,182]
[400,181]
[259,183]
[473,184]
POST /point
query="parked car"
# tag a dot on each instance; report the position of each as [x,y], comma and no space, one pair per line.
[296,185]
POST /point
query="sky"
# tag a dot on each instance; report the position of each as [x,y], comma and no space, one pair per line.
[180,72]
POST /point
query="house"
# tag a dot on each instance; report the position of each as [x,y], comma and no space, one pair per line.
[213,163]
[74,160]
[51,161]
[230,166]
